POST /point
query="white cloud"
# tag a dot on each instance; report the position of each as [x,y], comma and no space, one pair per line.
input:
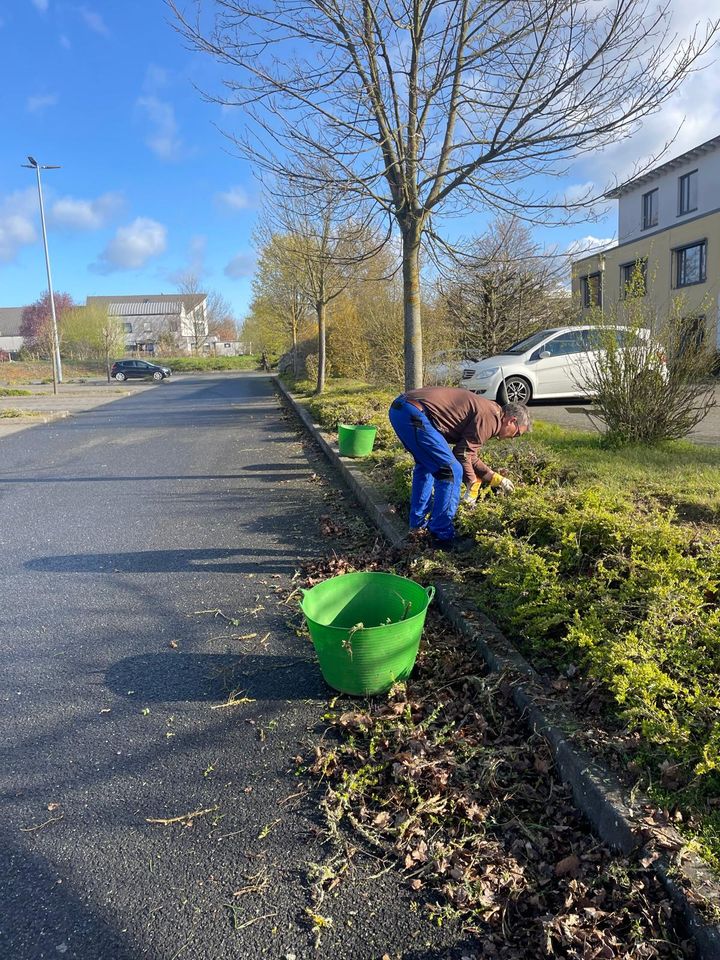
[94,21]
[163,140]
[584,246]
[18,212]
[132,246]
[85,214]
[236,198]
[690,117]
[243,265]
[40,5]
[577,192]
[41,102]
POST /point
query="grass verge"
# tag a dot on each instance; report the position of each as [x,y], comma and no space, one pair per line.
[14,392]
[440,779]
[604,568]
[12,413]
[200,364]
[40,371]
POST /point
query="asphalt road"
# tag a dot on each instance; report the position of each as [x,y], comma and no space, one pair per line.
[119,525]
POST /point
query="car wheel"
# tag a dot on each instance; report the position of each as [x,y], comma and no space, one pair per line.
[157,375]
[518,390]
[119,375]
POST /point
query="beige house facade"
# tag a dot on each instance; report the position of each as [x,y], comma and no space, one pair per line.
[159,320]
[668,248]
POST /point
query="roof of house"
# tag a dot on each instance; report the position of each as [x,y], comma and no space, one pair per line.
[152,305]
[649,175]
[10,318]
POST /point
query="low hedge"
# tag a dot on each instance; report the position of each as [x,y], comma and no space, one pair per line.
[355,405]
[604,564]
[604,582]
[199,364]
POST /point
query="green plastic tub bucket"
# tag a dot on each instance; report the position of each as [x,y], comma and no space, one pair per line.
[356,441]
[366,628]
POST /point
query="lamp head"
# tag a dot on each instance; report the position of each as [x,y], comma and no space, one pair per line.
[33,161]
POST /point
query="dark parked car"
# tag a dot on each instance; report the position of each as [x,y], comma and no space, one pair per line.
[135,369]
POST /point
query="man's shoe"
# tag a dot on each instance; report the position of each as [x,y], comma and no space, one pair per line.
[456,545]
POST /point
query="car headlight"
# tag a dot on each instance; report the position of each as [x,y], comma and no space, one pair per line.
[486,372]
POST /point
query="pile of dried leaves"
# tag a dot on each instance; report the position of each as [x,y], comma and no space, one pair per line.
[443,778]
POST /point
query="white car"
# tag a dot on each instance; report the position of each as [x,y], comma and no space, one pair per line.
[547,365]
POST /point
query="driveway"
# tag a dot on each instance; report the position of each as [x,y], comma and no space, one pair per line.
[155,698]
[579,415]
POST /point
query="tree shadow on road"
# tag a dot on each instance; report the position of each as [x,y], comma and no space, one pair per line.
[161,678]
[222,560]
[43,917]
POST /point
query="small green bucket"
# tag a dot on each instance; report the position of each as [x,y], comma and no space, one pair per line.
[356,440]
[366,628]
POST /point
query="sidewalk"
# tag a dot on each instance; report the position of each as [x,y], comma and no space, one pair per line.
[71,398]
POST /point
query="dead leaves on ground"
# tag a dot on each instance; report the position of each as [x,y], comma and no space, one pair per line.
[444,777]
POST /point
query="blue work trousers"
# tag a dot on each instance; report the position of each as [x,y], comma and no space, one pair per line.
[437,475]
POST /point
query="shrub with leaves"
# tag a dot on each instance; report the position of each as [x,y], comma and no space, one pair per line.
[647,387]
[355,405]
[583,577]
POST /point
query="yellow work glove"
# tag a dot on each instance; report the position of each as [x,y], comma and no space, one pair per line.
[501,484]
[471,494]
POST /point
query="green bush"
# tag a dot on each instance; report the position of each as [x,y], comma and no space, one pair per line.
[584,577]
[356,405]
[606,561]
[199,364]
[14,392]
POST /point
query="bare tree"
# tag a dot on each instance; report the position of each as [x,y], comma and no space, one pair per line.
[505,287]
[216,314]
[322,243]
[432,107]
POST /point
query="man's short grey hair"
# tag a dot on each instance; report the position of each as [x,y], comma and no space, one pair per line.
[520,412]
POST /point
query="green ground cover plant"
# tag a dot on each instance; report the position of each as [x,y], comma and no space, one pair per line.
[14,392]
[11,413]
[200,364]
[603,565]
[352,402]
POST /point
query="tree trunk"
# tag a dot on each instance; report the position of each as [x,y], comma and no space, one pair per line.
[320,308]
[411,301]
[296,365]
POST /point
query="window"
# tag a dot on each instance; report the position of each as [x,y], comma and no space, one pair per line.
[591,290]
[575,341]
[128,327]
[633,278]
[690,264]
[687,193]
[650,209]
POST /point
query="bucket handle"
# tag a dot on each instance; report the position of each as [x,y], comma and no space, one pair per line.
[430,591]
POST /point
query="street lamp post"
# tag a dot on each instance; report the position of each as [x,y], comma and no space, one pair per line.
[57,363]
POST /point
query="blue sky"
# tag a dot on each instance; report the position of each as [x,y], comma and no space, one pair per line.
[149,187]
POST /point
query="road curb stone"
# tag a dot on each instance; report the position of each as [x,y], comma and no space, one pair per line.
[597,793]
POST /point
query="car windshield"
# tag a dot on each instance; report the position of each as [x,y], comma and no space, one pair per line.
[522,346]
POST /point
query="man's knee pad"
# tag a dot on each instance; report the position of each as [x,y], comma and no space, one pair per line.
[445,473]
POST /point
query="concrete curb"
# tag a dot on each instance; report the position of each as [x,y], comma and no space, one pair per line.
[598,794]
